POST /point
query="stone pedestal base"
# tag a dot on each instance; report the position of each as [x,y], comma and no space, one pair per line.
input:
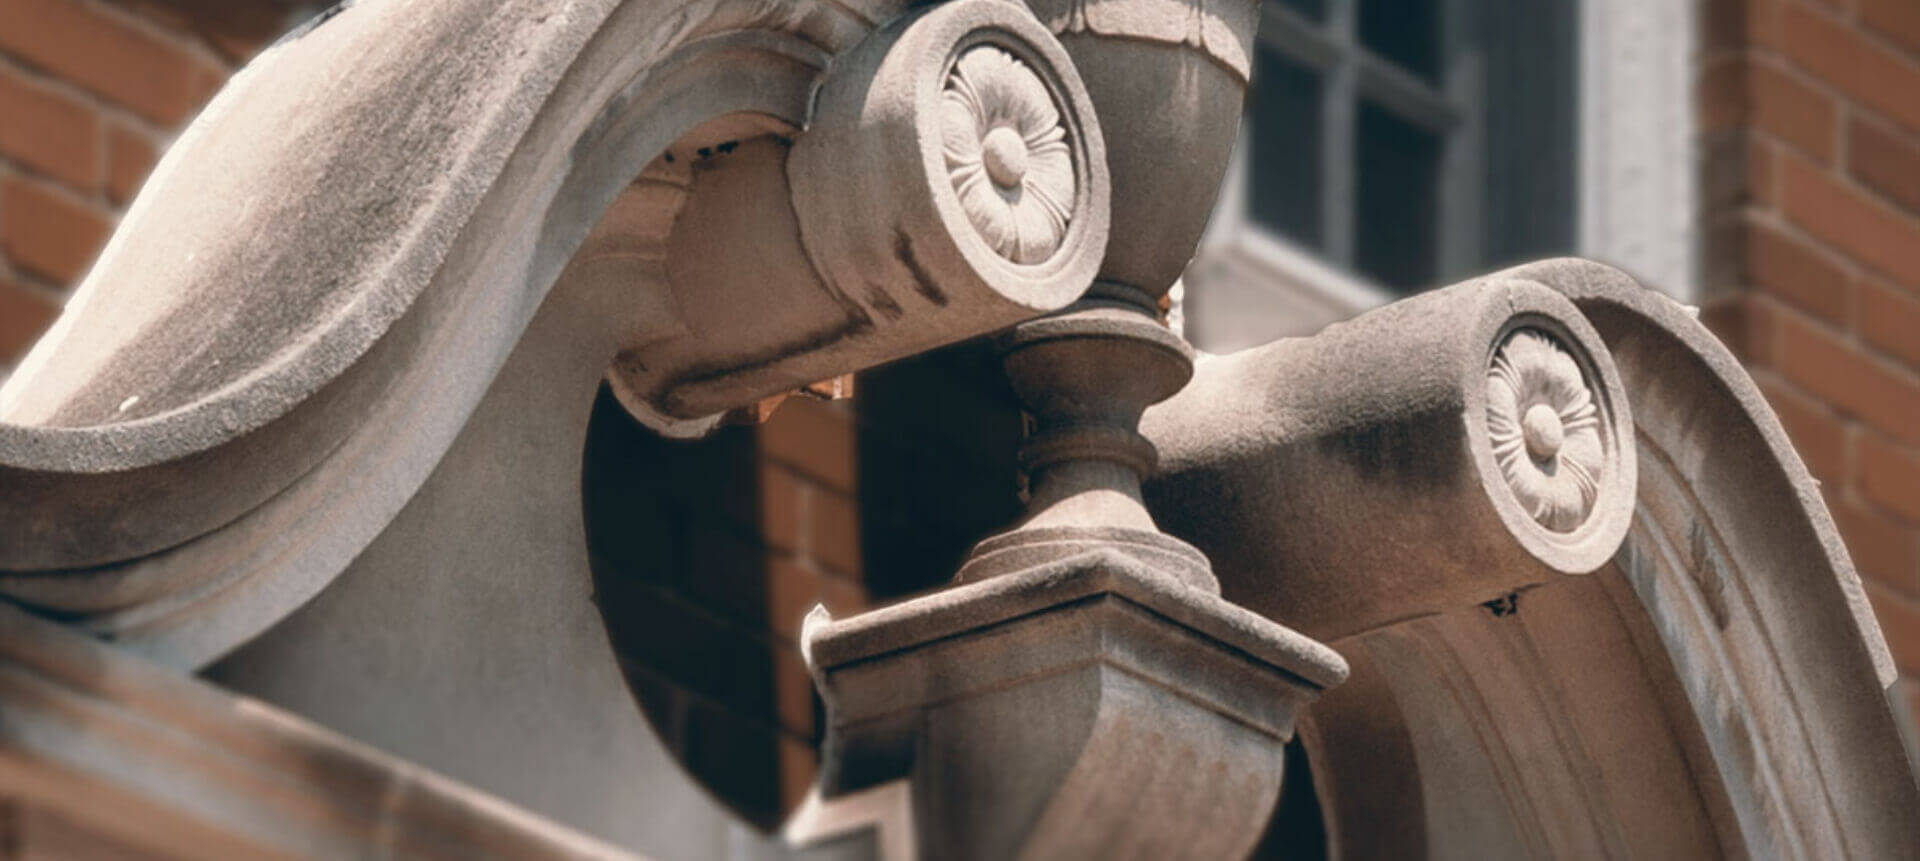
[1093,707]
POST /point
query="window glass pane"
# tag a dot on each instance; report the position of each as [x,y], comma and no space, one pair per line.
[1395,214]
[1403,32]
[1532,92]
[1312,10]
[1283,115]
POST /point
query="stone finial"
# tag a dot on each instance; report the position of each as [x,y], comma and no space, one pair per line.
[1067,616]
[1086,376]
[1166,153]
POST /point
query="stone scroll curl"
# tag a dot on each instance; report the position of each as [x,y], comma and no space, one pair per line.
[623,167]
[1480,429]
[955,152]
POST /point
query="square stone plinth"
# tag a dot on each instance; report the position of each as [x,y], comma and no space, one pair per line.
[1083,708]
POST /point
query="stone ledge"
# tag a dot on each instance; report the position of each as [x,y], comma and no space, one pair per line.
[975,606]
[172,765]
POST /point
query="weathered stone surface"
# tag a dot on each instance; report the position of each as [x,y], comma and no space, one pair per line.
[330,380]
[1086,374]
[1166,155]
[170,766]
[1090,707]
[1315,471]
[867,240]
[465,636]
[1750,590]
[1718,683]
[182,467]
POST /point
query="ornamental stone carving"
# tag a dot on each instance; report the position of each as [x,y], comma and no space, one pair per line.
[954,153]
[1544,426]
[1412,442]
[1006,151]
[943,176]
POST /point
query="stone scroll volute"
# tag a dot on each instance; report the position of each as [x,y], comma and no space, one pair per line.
[949,180]
[954,151]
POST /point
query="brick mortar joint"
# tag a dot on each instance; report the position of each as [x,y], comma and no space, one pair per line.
[1848,337]
[1879,38]
[95,198]
[192,44]
[1777,222]
[55,187]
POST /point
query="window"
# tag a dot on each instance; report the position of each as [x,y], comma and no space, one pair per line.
[1390,146]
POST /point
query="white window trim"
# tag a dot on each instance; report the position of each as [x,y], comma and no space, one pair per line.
[1232,233]
[1638,163]
[1636,167]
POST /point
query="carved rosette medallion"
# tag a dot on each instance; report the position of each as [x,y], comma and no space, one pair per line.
[1007,153]
[1545,427]
[954,153]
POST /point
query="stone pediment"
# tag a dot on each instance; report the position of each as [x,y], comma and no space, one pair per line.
[325,274]
[339,357]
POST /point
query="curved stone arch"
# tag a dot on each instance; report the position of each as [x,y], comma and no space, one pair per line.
[1719,683]
[185,521]
[1743,576]
[540,106]
[371,516]
[555,154]
[424,370]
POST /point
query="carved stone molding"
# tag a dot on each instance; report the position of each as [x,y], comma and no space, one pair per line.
[885,184]
[1408,419]
[1083,691]
[1082,708]
[1715,689]
[643,135]
[1221,31]
[879,229]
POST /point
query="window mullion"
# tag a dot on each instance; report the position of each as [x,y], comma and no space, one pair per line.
[1297,38]
[1407,96]
[1463,166]
[1339,111]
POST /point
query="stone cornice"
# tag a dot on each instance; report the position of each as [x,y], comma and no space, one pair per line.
[168,764]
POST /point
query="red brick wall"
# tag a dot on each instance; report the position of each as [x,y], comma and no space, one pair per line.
[811,521]
[706,556]
[1811,112]
[90,92]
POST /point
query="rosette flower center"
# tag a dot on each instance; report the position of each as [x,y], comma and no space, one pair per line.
[1544,426]
[1005,155]
[1543,431]
[1006,152]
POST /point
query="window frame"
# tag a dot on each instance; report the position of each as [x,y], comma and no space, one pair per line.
[1634,166]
